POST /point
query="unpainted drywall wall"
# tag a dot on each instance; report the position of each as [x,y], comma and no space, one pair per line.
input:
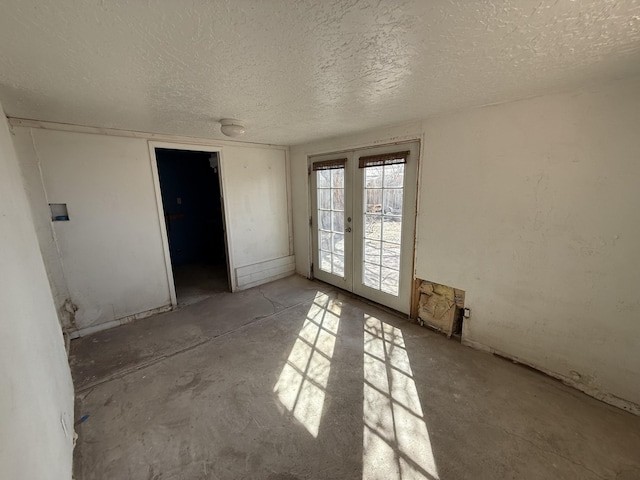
[111,261]
[36,397]
[531,207]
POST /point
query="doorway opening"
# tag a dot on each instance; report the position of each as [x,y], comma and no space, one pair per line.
[194,219]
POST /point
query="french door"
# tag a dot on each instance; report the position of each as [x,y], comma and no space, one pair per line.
[363,220]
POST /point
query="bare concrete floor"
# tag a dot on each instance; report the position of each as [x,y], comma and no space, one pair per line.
[197,282]
[294,380]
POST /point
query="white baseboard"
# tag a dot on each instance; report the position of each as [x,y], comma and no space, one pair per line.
[588,389]
[83,332]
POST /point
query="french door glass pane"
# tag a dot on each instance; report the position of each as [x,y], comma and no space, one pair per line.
[324,178]
[372,250]
[325,261]
[325,241]
[389,279]
[390,255]
[393,175]
[324,198]
[338,265]
[338,199]
[330,186]
[392,201]
[371,275]
[325,220]
[382,218]
[338,243]
[338,221]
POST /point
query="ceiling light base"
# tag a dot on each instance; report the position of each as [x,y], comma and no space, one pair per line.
[232,127]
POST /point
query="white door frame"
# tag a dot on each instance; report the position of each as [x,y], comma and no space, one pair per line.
[160,209]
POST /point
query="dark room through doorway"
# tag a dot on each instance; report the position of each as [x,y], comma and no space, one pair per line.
[194,219]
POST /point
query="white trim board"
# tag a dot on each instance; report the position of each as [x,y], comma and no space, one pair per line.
[161,137]
[263,272]
[83,332]
[594,392]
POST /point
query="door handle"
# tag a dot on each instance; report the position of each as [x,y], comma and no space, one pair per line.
[348,229]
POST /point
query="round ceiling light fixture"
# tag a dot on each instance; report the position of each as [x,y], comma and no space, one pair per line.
[232,127]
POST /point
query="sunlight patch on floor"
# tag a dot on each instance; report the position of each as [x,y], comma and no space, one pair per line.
[302,384]
[396,444]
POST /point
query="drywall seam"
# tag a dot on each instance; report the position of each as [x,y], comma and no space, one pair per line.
[67,127]
[618,402]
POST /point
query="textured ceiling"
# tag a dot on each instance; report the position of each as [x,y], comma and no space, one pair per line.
[299,70]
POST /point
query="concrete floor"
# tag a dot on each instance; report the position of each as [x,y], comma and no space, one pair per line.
[293,380]
[197,281]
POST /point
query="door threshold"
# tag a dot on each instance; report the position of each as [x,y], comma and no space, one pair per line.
[355,296]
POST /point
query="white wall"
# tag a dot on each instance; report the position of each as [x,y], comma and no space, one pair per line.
[531,207]
[111,248]
[255,190]
[111,261]
[36,397]
[32,177]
